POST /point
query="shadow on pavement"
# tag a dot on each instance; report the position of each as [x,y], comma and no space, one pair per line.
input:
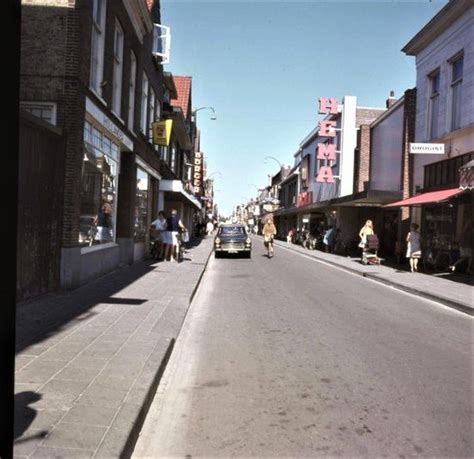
[24,414]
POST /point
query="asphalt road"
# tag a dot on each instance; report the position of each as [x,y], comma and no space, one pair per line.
[291,357]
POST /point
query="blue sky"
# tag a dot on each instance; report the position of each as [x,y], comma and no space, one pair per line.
[263,65]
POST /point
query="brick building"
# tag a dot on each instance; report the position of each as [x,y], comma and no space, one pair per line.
[94,69]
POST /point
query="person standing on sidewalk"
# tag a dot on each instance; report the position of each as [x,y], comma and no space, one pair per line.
[174,226]
[413,247]
[269,232]
[159,225]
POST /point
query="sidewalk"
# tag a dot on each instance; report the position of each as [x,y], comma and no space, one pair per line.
[89,361]
[453,294]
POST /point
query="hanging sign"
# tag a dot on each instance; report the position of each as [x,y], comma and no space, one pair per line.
[162,132]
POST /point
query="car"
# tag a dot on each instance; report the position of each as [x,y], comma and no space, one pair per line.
[232,238]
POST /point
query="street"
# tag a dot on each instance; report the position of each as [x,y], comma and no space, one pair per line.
[292,357]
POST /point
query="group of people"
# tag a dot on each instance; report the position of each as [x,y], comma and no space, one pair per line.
[167,231]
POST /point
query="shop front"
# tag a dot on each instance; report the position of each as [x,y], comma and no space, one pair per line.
[98,249]
[173,195]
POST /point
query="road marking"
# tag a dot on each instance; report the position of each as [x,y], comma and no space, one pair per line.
[378,282]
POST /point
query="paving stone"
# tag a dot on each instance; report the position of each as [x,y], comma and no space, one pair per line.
[88,362]
[76,373]
[28,443]
[127,417]
[113,444]
[103,396]
[91,415]
[40,370]
[71,435]
[123,382]
[27,418]
[22,360]
[62,452]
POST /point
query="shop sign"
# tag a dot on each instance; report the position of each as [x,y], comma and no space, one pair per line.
[162,132]
[327,128]
[197,182]
[427,148]
[107,123]
[304,198]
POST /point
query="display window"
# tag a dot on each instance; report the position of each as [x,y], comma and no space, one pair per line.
[141,223]
[99,177]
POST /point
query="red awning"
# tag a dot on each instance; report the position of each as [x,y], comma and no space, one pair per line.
[426,198]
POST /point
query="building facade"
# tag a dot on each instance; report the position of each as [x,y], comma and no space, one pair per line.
[95,70]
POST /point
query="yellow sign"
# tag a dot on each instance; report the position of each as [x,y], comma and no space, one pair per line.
[162,132]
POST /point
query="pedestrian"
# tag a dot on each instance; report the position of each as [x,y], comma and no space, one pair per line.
[209,227]
[329,239]
[269,231]
[289,236]
[413,247]
[465,248]
[160,225]
[366,230]
[104,224]
[174,226]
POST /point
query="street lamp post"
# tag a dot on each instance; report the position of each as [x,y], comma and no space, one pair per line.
[274,159]
[213,116]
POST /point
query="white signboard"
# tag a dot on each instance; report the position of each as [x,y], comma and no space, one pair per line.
[427,148]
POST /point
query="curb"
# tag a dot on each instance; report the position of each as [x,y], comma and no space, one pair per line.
[133,436]
[421,293]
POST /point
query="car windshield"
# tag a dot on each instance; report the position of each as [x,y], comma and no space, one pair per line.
[232,230]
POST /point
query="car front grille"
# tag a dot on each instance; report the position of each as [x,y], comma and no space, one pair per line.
[233,245]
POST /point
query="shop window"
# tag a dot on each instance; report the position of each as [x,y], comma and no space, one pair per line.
[98,188]
[141,206]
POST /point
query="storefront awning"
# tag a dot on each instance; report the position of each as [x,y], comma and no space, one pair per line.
[427,198]
[176,188]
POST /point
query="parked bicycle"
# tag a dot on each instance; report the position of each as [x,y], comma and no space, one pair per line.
[437,261]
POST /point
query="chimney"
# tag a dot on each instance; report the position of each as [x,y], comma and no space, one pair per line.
[391,99]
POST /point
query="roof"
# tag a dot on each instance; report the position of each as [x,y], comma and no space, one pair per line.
[366,115]
[438,24]
[183,88]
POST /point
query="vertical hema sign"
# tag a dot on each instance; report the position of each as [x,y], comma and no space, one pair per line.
[327,128]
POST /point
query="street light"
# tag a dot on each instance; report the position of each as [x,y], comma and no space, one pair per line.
[274,159]
[214,173]
[213,117]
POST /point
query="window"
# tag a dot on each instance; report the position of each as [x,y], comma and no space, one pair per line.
[98,188]
[433,105]
[144,106]
[131,91]
[141,206]
[44,110]
[151,114]
[97,46]
[457,67]
[118,70]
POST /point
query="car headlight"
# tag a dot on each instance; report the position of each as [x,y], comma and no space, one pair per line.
[217,241]
[248,241]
